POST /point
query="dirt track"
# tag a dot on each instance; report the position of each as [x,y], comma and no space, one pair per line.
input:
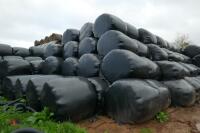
[182,120]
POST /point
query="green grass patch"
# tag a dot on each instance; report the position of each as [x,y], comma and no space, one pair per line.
[11,120]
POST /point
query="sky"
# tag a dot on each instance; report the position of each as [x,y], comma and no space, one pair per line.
[23,21]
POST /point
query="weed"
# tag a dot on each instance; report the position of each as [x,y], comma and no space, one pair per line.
[162,117]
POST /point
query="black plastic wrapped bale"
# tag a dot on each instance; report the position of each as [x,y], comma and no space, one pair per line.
[52,65]
[11,57]
[106,22]
[156,53]
[87,45]
[164,94]
[119,64]
[182,93]
[161,42]
[70,49]
[127,101]
[88,65]
[70,35]
[117,40]
[147,37]
[72,98]
[32,58]
[193,70]
[191,50]
[70,66]
[34,88]
[53,50]
[195,82]
[101,86]
[14,67]
[196,60]
[174,56]
[23,52]
[36,66]
[21,84]
[5,50]
[38,50]
[26,130]
[172,70]
[86,31]
[8,86]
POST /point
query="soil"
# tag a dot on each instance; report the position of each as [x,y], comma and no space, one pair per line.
[181,120]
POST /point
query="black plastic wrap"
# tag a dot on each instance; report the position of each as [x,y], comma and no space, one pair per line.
[70,66]
[5,50]
[87,45]
[119,64]
[70,49]
[127,100]
[89,65]
[72,98]
[156,53]
[52,65]
[117,40]
[147,37]
[34,88]
[182,93]
[172,70]
[23,52]
[70,35]
[106,22]
[86,31]
[53,50]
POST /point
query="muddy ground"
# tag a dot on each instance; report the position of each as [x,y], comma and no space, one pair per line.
[182,120]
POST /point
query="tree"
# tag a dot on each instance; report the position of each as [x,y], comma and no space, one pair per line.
[182,40]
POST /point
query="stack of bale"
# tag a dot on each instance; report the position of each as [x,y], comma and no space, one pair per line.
[110,66]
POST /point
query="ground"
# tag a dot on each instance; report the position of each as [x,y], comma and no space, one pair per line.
[182,120]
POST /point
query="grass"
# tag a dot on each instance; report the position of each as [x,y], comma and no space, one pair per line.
[11,120]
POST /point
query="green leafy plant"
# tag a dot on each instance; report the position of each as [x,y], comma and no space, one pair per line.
[40,117]
[146,130]
[162,117]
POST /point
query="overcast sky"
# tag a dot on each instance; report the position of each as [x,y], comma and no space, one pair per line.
[23,21]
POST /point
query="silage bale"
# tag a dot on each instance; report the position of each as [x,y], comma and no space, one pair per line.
[12,57]
[70,66]
[196,60]
[32,58]
[101,86]
[70,49]
[21,84]
[87,45]
[52,65]
[117,40]
[8,87]
[156,53]
[23,52]
[86,31]
[34,88]
[88,65]
[5,50]
[53,50]
[70,35]
[106,22]
[72,98]
[36,66]
[14,67]
[147,37]
[182,93]
[127,100]
[119,64]
[193,70]
[161,42]
[172,70]
[191,50]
